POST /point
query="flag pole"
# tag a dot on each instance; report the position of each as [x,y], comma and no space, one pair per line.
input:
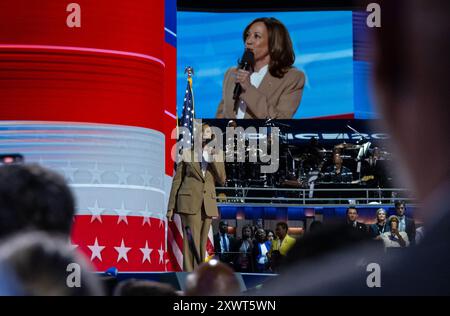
[189,70]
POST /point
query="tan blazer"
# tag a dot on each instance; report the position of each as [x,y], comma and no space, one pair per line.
[276,98]
[190,188]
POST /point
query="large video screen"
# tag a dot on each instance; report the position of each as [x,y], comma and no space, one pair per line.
[323,42]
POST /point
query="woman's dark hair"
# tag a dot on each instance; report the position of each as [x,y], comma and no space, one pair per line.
[249,227]
[281,52]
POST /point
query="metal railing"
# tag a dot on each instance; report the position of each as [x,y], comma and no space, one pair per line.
[306,196]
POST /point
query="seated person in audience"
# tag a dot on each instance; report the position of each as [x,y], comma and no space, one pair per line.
[281,245]
[352,216]
[406,224]
[261,250]
[381,226]
[224,244]
[32,197]
[244,262]
[395,238]
[337,173]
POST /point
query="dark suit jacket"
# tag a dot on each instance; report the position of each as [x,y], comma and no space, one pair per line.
[359,226]
[373,230]
[228,258]
[410,229]
[277,98]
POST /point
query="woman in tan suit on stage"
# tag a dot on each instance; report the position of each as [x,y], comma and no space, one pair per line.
[274,88]
[193,195]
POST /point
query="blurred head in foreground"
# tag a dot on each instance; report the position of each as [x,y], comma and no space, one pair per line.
[134,287]
[34,198]
[212,278]
[47,265]
[411,79]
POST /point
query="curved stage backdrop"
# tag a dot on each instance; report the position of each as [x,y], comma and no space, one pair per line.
[97,104]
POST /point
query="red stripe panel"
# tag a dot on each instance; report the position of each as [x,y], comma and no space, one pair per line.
[135,26]
[80,87]
[170,95]
[65,84]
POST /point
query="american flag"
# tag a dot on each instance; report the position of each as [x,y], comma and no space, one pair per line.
[188,116]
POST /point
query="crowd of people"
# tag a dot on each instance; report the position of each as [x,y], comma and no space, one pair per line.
[258,251]
[397,231]
[262,250]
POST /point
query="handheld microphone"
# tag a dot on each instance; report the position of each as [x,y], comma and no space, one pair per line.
[247,62]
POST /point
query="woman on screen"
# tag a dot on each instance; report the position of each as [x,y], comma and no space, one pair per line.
[273,88]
